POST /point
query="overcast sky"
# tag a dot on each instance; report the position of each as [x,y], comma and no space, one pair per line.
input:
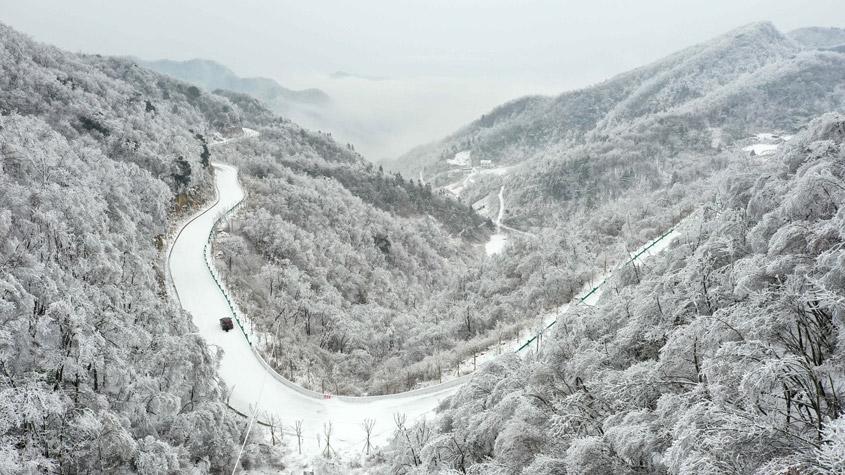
[479,53]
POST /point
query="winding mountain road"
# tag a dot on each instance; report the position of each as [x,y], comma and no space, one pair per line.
[255,387]
[252,383]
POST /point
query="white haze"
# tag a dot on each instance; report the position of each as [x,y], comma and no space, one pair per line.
[448,60]
[384,117]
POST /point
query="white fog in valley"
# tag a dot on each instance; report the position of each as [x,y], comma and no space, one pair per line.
[443,237]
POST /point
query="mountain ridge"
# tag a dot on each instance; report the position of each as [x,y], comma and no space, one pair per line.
[212,75]
[819,37]
[534,122]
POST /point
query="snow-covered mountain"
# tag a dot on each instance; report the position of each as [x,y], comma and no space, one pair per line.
[723,355]
[753,78]
[99,158]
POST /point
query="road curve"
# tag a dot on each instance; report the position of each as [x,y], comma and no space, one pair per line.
[254,384]
[250,380]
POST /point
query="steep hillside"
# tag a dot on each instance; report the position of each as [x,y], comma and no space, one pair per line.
[316,154]
[659,149]
[608,167]
[333,258]
[724,355]
[101,369]
[340,252]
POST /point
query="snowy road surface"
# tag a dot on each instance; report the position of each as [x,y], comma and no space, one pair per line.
[766,144]
[251,382]
[497,241]
[458,187]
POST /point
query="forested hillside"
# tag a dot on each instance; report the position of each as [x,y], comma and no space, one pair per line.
[654,379]
[356,300]
[410,242]
[656,148]
[332,258]
[101,371]
[723,355]
[349,279]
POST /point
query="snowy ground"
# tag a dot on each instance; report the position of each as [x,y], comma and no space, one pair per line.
[218,139]
[461,159]
[457,188]
[496,244]
[497,241]
[766,144]
[761,149]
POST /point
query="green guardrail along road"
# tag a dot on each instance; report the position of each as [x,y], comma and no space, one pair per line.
[208,257]
[596,288]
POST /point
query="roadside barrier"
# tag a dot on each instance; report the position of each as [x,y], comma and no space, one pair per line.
[207,256]
[596,288]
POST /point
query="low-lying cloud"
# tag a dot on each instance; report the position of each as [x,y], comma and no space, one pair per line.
[385,117]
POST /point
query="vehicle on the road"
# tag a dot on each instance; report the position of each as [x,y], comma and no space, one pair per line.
[226,323]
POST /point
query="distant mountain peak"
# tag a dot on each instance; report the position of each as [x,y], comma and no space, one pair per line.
[212,75]
[816,37]
[766,27]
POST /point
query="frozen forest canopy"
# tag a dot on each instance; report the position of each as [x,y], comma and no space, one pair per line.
[723,354]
